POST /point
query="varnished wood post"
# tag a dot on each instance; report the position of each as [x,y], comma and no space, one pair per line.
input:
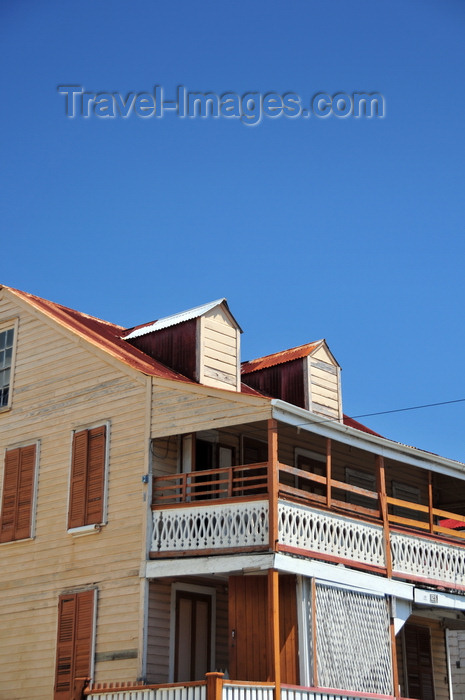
[273,482]
[395,669]
[214,685]
[328,472]
[314,640]
[381,476]
[274,645]
[430,501]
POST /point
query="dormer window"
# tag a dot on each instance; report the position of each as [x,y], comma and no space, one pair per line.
[7,337]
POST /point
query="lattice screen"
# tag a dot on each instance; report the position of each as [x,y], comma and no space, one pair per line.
[353,640]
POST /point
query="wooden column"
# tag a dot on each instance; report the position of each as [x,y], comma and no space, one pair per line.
[430,501]
[314,640]
[273,483]
[328,472]
[274,655]
[381,475]
[395,670]
[214,685]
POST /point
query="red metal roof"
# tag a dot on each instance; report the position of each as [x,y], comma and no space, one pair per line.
[352,423]
[279,357]
[452,524]
[106,336]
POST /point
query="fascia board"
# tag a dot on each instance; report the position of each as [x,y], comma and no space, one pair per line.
[299,417]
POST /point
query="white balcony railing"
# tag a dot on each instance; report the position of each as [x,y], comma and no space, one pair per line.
[210,526]
[421,557]
[193,692]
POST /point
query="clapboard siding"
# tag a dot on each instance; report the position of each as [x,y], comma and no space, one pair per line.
[186,410]
[158,640]
[60,384]
[219,350]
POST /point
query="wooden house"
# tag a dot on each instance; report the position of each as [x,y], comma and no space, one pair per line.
[176,527]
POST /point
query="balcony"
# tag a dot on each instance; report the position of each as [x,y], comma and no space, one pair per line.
[275,507]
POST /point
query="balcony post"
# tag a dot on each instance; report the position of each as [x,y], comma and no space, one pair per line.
[328,473]
[430,501]
[214,685]
[395,671]
[381,477]
[273,482]
[274,656]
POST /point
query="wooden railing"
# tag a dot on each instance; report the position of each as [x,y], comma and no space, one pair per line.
[227,482]
[249,481]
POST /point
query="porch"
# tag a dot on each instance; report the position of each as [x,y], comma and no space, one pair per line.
[309,496]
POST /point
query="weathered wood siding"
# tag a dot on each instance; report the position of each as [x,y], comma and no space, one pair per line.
[59,385]
[186,408]
[219,350]
[324,384]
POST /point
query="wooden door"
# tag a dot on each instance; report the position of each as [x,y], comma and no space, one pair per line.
[193,636]
[249,651]
[419,663]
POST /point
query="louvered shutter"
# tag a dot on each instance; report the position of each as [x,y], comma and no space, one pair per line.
[65,647]
[10,495]
[25,492]
[18,493]
[419,662]
[77,501]
[74,642]
[95,475]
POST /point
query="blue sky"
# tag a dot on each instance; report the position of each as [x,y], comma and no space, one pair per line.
[348,229]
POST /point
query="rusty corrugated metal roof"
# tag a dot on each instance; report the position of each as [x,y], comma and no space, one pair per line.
[279,357]
[105,335]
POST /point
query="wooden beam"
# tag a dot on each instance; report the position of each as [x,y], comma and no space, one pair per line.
[395,668]
[274,656]
[381,477]
[273,483]
[328,472]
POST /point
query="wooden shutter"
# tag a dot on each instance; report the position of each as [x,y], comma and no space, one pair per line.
[87,477]
[419,662]
[77,502]
[95,475]
[18,493]
[74,642]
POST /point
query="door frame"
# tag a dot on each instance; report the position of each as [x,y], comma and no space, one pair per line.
[191,588]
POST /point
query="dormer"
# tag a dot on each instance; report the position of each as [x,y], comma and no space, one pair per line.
[307,376]
[203,344]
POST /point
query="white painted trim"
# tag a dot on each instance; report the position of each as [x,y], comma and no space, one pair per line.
[222,565]
[308,383]
[339,395]
[85,530]
[191,588]
[438,599]
[238,360]
[225,565]
[6,325]
[199,345]
[350,578]
[303,632]
[449,669]
[76,429]
[299,417]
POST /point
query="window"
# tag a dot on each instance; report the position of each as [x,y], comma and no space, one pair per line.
[88,476]
[418,662]
[18,493]
[311,462]
[6,364]
[363,480]
[76,612]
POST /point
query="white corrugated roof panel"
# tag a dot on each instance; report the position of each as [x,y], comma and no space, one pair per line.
[175,319]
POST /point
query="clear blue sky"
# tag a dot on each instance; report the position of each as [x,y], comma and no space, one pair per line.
[347,229]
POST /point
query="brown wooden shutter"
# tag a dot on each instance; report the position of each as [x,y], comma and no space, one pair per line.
[25,492]
[95,475]
[419,662]
[74,642]
[77,501]
[10,495]
[18,493]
